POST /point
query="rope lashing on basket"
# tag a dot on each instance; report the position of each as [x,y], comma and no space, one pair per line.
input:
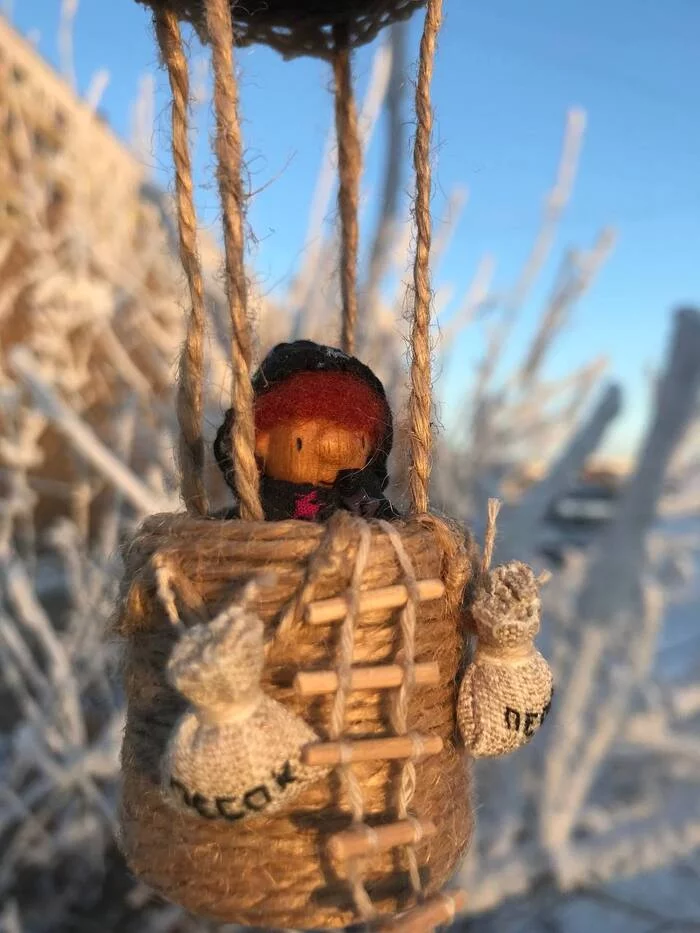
[335,542]
[173,588]
[420,398]
[165,579]
[349,171]
[189,393]
[229,165]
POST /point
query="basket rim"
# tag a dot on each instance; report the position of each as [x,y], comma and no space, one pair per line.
[173,541]
[187,531]
[269,530]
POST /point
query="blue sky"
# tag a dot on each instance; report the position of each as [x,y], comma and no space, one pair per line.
[506,74]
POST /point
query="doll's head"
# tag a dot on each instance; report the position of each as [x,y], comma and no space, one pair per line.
[318,412]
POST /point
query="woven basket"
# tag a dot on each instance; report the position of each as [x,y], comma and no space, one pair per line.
[276,871]
[299,27]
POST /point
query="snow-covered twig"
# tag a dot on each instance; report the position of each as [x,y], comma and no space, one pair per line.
[83,439]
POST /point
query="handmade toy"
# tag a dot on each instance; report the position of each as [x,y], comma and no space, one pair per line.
[323,433]
[292,753]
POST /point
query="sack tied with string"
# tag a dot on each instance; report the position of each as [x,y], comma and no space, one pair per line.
[236,752]
[506,692]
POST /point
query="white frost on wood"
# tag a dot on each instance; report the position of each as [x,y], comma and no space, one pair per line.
[605,636]
[83,439]
[516,523]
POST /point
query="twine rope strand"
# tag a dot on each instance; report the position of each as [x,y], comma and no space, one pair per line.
[349,171]
[419,403]
[492,510]
[189,391]
[229,163]
[335,541]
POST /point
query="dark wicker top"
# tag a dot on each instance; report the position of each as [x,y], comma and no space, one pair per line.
[298,27]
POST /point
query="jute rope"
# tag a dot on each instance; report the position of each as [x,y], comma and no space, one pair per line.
[229,163]
[335,541]
[173,587]
[165,590]
[419,402]
[229,158]
[493,508]
[349,170]
[189,394]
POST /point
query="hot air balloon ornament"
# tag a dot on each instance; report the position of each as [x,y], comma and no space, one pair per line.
[302,700]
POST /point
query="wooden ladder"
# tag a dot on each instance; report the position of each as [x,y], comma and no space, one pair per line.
[432,913]
[361,840]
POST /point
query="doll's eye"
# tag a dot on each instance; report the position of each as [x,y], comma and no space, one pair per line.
[298,443]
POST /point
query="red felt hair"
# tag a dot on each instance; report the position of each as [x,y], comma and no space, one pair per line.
[338,397]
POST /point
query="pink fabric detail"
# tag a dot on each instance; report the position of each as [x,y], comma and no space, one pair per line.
[307,507]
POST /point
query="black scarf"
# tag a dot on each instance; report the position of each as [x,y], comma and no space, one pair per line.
[356,491]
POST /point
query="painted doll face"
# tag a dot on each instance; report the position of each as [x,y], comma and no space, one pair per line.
[310,451]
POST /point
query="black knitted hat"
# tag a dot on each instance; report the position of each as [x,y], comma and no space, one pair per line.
[305,356]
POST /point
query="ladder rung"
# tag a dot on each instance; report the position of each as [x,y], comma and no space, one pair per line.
[380,677]
[387,597]
[401,746]
[438,909]
[365,840]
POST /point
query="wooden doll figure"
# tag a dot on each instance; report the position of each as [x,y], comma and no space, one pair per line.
[323,435]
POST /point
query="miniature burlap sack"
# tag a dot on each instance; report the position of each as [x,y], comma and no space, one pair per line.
[506,692]
[236,753]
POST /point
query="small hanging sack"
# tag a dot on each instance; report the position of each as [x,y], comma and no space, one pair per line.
[506,692]
[237,752]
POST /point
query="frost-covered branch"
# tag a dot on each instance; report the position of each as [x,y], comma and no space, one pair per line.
[519,524]
[84,440]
